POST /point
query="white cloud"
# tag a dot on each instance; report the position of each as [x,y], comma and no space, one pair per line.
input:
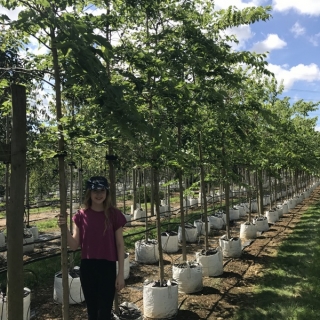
[315,39]
[12,14]
[222,4]
[242,33]
[309,7]
[95,11]
[297,30]
[272,42]
[301,72]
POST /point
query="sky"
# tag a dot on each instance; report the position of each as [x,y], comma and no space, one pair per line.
[291,37]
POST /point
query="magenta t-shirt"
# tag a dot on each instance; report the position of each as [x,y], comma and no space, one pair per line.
[94,243]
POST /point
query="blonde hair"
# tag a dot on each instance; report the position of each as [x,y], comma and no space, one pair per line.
[107,204]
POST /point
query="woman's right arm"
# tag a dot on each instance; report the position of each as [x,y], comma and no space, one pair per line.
[73,239]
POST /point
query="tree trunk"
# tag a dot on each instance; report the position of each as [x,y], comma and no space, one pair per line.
[16,204]
[62,181]
[203,192]
[157,204]
[260,187]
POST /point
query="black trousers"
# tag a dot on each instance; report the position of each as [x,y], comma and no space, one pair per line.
[98,285]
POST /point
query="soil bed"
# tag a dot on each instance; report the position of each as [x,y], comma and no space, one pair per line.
[221,296]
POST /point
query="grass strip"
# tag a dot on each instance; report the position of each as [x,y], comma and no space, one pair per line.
[290,286]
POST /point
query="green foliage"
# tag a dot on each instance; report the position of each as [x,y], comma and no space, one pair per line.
[140,190]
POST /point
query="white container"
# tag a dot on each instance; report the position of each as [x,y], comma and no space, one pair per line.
[191,233]
[139,215]
[261,223]
[272,216]
[231,248]
[126,266]
[242,210]
[285,208]
[137,207]
[212,264]
[216,222]
[280,210]
[201,227]
[28,247]
[146,252]
[160,302]
[26,305]
[169,242]
[254,206]
[266,200]
[234,214]
[188,276]
[34,230]
[186,203]
[248,231]
[193,202]
[75,290]
[291,204]
[246,207]
[128,218]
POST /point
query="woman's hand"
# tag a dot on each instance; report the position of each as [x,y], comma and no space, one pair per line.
[120,282]
[61,220]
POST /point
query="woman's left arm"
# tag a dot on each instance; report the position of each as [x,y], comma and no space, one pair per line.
[120,250]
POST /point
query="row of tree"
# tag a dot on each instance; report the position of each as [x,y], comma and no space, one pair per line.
[155,83]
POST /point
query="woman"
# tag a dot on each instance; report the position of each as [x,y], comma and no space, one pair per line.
[98,231]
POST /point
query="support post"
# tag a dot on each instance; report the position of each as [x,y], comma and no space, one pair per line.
[15,214]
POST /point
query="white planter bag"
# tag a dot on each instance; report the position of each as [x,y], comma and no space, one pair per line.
[128,310]
[246,207]
[266,200]
[75,291]
[280,210]
[193,202]
[147,252]
[211,261]
[169,242]
[34,230]
[137,207]
[191,233]
[186,203]
[28,238]
[160,302]
[254,206]
[242,210]
[285,208]
[162,209]
[201,227]
[216,222]
[188,276]
[2,239]
[230,248]
[163,202]
[248,230]
[272,216]
[291,204]
[128,218]
[26,305]
[234,214]
[126,266]
[261,223]
[139,215]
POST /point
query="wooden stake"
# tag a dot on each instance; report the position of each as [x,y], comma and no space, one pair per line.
[16,204]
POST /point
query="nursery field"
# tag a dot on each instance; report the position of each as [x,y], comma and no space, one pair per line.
[275,278]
